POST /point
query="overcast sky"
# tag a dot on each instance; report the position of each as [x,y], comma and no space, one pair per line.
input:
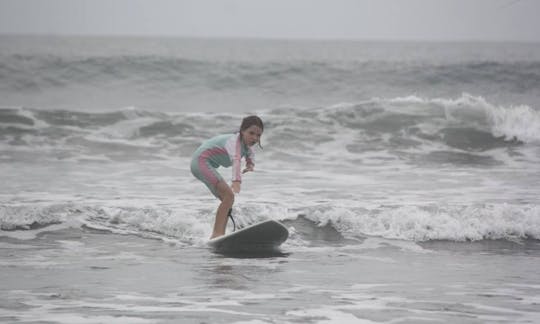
[499,20]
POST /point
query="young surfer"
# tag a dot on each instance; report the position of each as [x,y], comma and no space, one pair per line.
[226,150]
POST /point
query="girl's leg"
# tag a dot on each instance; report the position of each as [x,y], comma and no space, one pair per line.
[227,199]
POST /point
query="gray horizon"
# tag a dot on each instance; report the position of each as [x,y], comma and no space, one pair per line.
[372,20]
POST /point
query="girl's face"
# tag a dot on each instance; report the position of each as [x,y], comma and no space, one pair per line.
[251,135]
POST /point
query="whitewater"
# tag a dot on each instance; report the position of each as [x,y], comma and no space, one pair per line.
[408,175]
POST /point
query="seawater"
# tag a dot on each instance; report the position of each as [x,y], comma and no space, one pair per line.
[402,170]
[408,168]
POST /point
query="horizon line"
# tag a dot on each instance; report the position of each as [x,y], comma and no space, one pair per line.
[272,38]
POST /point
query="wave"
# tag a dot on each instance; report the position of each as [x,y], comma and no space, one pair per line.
[309,225]
[426,223]
[513,123]
[461,130]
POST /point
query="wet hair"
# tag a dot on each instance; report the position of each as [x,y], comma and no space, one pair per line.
[249,121]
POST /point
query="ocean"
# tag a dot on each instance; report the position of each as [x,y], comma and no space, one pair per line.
[407,173]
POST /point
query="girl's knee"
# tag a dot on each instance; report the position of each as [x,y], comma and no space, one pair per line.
[228,197]
[225,193]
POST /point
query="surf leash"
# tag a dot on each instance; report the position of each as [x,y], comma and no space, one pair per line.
[234,223]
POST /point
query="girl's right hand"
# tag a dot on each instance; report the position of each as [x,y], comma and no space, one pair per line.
[235,186]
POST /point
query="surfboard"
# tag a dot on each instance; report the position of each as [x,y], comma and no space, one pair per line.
[267,235]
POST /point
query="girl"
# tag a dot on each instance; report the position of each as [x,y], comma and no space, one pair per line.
[226,150]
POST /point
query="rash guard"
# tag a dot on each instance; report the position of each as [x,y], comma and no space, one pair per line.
[223,150]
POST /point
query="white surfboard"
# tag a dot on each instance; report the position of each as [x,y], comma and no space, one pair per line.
[264,236]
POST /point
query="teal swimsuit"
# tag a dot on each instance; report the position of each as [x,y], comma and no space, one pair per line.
[223,150]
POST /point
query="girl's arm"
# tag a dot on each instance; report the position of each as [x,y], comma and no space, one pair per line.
[250,161]
[233,147]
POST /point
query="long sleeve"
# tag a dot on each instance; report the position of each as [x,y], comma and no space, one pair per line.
[234,149]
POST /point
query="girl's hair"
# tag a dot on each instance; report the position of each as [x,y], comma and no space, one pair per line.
[249,121]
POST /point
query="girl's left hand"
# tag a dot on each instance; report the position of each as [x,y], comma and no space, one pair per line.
[248,168]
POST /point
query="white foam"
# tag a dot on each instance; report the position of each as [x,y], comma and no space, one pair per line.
[58,216]
[192,222]
[422,223]
[519,122]
[330,315]
[188,225]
